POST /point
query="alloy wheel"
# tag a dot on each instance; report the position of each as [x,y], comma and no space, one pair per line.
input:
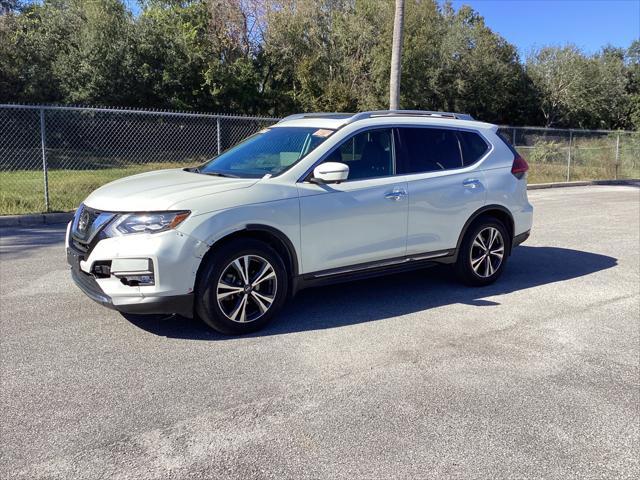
[246,288]
[487,252]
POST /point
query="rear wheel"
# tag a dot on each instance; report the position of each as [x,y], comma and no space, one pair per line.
[241,287]
[483,252]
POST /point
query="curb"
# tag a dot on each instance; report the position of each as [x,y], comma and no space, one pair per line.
[65,217]
[39,219]
[537,186]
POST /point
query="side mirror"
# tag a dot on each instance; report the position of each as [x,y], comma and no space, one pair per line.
[330,172]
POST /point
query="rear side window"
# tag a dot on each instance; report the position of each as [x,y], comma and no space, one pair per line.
[428,150]
[473,147]
[435,149]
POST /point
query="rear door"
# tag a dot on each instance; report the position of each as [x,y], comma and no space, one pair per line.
[444,184]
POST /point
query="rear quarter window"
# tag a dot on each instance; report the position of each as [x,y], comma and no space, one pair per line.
[473,147]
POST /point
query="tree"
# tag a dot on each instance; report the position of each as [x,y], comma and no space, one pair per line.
[172,55]
[579,90]
[632,61]
[275,57]
[557,74]
[94,60]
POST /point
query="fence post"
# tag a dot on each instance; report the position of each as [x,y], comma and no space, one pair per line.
[513,137]
[617,155]
[45,170]
[569,156]
[218,133]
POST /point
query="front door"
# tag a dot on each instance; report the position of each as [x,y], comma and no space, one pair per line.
[363,219]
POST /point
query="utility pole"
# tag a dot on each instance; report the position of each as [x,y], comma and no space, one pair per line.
[396,57]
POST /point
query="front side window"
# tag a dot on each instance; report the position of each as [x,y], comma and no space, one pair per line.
[368,154]
[270,151]
[428,150]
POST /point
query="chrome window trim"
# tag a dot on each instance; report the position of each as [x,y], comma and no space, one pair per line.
[393,127]
[490,149]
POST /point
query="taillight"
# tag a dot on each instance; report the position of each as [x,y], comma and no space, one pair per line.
[519,167]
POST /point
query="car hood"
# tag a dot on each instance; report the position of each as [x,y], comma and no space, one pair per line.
[160,190]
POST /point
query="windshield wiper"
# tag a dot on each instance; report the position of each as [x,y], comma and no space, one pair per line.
[220,174]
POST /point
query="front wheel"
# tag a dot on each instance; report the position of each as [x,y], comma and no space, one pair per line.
[241,287]
[483,253]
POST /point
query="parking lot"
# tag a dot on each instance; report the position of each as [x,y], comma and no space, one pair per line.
[408,376]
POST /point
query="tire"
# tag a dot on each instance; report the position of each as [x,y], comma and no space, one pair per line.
[221,288]
[484,272]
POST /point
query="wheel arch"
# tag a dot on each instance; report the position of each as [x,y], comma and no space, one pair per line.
[497,211]
[273,237]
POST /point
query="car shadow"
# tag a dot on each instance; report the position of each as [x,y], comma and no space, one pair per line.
[386,297]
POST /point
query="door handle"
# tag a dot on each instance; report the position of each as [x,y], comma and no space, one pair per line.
[471,183]
[395,194]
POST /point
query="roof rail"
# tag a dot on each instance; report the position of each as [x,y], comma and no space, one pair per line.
[409,113]
[334,115]
[354,117]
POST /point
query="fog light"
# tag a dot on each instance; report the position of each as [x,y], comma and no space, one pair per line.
[134,272]
[137,280]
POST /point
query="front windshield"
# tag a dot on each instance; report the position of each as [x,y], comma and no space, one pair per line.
[270,151]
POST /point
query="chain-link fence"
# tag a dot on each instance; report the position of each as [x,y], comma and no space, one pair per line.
[51,158]
[557,155]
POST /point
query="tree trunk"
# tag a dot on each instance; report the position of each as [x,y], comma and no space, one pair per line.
[396,57]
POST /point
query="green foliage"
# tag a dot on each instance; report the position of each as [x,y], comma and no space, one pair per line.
[548,152]
[274,57]
[582,91]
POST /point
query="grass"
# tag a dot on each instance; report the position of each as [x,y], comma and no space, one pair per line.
[22,191]
[549,172]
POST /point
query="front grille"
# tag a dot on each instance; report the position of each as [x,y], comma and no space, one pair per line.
[81,247]
[88,227]
[83,223]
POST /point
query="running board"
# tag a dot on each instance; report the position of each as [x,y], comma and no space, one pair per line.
[382,264]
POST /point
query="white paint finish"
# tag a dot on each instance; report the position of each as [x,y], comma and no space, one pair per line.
[331,172]
[352,222]
[160,190]
[282,215]
[439,205]
[506,190]
[174,257]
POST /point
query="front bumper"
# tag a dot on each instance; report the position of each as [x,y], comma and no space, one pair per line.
[178,304]
[175,258]
[519,239]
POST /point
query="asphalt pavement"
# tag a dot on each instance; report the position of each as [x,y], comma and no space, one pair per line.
[408,376]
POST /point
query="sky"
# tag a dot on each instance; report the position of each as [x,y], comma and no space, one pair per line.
[589,24]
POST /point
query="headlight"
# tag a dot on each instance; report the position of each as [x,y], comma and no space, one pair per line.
[127,223]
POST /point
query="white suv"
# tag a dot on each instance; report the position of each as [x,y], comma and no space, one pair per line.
[316,198]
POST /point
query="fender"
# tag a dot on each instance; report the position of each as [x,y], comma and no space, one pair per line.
[478,213]
[273,232]
[256,227]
